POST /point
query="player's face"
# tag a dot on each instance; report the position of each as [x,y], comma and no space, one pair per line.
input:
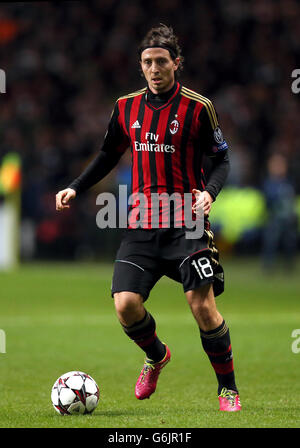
[159,69]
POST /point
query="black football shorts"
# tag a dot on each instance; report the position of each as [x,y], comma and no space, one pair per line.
[145,255]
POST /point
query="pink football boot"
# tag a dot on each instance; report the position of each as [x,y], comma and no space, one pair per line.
[229,400]
[146,383]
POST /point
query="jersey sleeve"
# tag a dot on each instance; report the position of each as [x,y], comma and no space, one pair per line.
[115,140]
[211,136]
[216,163]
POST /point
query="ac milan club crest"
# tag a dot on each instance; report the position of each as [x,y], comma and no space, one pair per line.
[174,126]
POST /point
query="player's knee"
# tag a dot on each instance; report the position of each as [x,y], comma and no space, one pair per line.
[207,315]
[127,303]
[203,306]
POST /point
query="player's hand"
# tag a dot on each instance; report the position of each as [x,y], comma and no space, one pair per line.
[63,197]
[203,202]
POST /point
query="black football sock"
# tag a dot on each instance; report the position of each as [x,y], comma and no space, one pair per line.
[216,344]
[144,335]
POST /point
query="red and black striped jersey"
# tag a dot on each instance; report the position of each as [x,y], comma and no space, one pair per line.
[168,144]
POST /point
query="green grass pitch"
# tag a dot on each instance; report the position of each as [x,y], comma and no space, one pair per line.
[59,317]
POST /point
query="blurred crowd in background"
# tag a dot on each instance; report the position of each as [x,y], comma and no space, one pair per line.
[67,63]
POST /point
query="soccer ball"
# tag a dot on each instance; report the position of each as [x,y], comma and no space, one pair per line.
[75,393]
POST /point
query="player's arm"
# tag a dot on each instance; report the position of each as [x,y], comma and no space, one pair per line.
[220,167]
[217,165]
[114,146]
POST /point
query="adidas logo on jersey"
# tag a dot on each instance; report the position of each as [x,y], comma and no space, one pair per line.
[136,125]
[220,276]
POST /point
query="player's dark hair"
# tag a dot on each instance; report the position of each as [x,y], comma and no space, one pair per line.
[162,36]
